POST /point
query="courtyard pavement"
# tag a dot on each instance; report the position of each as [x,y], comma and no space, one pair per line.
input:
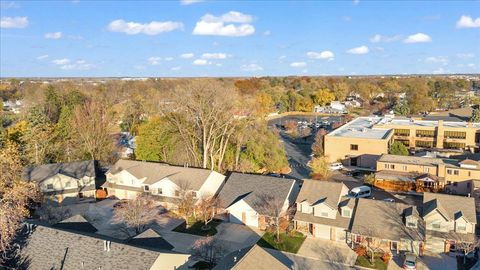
[326,250]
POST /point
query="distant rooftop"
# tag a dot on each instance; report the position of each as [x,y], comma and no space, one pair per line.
[403,121]
[363,128]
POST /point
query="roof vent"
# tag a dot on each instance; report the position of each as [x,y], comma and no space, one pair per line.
[235,259]
[106,245]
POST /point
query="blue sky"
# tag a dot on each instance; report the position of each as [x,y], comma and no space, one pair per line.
[242,38]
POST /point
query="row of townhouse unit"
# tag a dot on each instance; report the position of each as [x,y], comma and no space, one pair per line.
[322,208]
[441,222]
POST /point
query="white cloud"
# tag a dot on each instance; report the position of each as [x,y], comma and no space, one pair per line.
[439,71]
[437,59]
[356,2]
[152,28]
[267,33]
[215,56]
[189,2]
[67,64]
[298,64]
[418,38]
[251,67]
[465,55]
[53,35]
[232,24]
[359,50]
[201,62]
[168,58]
[186,55]
[13,22]
[321,55]
[380,38]
[63,61]
[176,68]
[154,60]
[468,22]
[471,65]
[8,5]
[41,57]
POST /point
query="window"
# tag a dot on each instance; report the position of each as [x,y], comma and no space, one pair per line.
[324,214]
[411,223]
[67,184]
[404,168]
[454,172]
[160,191]
[177,193]
[424,144]
[425,133]
[49,186]
[146,188]
[402,132]
[346,212]
[469,173]
[461,227]
[455,134]
[390,166]
[436,225]
[354,147]
[453,145]
[425,169]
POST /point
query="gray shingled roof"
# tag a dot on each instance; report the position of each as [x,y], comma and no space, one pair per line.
[314,192]
[250,187]
[150,239]
[254,257]
[49,248]
[154,172]
[339,221]
[76,223]
[425,161]
[385,220]
[450,205]
[78,170]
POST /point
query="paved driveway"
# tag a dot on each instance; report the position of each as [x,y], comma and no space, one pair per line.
[427,262]
[326,250]
[236,236]
[305,263]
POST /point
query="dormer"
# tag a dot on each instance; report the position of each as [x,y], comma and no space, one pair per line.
[346,212]
[346,207]
[460,222]
[411,220]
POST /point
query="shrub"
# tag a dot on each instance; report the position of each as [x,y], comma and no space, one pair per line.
[361,251]
[386,257]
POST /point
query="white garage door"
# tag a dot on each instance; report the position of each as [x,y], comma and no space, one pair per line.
[341,235]
[436,245]
[322,231]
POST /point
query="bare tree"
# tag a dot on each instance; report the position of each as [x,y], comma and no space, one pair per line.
[53,215]
[137,213]
[467,243]
[372,244]
[205,119]
[208,249]
[206,207]
[273,208]
[186,204]
[15,196]
[92,123]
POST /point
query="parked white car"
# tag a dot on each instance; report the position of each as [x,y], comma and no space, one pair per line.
[360,192]
[336,166]
[410,262]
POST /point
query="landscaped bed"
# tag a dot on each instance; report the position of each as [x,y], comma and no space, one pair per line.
[288,243]
[196,228]
[378,263]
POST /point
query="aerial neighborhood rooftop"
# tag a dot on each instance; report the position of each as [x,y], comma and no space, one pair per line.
[246,135]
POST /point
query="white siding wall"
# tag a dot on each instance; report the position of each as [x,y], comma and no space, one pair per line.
[125,178]
[61,182]
[240,207]
[167,186]
[445,226]
[212,184]
[323,208]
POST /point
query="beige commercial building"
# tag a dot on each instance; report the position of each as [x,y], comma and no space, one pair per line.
[362,141]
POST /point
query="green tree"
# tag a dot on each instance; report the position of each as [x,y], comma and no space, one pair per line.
[475,115]
[320,168]
[156,140]
[401,109]
[398,148]
[323,96]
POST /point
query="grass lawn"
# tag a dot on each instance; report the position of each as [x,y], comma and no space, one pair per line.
[196,228]
[378,262]
[288,244]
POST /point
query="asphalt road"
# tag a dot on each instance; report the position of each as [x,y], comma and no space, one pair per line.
[298,153]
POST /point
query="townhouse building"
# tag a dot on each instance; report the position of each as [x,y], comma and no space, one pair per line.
[457,176]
